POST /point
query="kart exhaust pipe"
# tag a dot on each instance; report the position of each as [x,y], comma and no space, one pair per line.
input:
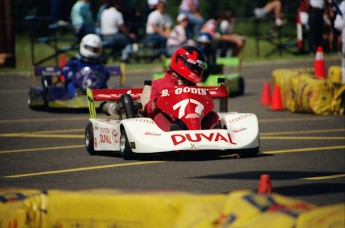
[109,109]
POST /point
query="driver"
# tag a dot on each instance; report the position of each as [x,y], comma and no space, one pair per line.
[187,67]
[86,70]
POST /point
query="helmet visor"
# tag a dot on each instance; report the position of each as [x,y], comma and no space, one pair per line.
[198,66]
[95,50]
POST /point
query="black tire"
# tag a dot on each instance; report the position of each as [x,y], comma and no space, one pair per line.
[248,153]
[128,105]
[242,86]
[125,147]
[89,139]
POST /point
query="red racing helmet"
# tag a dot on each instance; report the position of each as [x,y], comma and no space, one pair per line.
[189,63]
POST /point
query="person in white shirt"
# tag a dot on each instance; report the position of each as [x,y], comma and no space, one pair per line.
[113,31]
[178,36]
[339,24]
[158,26]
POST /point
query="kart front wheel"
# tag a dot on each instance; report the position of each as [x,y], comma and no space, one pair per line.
[125,147]
[89,141]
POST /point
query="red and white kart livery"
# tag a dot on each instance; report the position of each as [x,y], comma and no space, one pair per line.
[238,133]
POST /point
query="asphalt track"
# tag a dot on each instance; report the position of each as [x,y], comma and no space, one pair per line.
[302,153]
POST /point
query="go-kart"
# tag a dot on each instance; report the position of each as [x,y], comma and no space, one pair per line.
[132,133]
[49,89]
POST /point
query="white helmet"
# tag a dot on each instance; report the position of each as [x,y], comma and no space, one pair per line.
[90,46]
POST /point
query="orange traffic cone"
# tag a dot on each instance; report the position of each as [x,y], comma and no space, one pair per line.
[266,94]
[319,64]
[277,103]
[62,60]
[265,186]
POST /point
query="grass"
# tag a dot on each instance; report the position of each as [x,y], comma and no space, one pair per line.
[23,54]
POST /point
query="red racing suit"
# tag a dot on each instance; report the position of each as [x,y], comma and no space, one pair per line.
[169,82]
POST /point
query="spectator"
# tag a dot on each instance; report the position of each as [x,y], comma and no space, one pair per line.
[232,41]
[178,36]
[302,12]
[86,71]
[133,16]
[158,26]
[114,32]
[223,41]
[149,8]
[102,7]
[205,43]
[339,24]
[263,8]
[191,9]
[60,10]
[82,20]
[186,68]
[316,24]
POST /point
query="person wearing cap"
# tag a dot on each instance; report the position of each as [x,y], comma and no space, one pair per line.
[158,26]
[178,36]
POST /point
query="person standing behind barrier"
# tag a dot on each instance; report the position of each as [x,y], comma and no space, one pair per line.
[113,30]
[60,10]
[158,26]
[101,8]
[263,8]
[178,36]
[191,9]
[82,20]
[316,24]
[339,24]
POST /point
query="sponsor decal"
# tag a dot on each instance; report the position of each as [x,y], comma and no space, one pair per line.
[194,90]
[239,130]
[152,134]
[95,142]
[105,135]
[198,137]
[115,136]
[150,121]
[132,144]
[105,139]
[239,118]
[96,127]
[192,116]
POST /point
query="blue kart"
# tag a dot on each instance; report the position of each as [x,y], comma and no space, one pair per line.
[49,89]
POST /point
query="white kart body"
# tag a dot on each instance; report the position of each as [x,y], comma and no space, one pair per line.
[240,131]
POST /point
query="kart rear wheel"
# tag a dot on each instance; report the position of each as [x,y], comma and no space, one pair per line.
[89,139]
[248,153]
[128,105]
[241,86]
[125,147]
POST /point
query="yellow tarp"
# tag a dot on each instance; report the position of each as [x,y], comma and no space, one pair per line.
[302,92]
[113,208]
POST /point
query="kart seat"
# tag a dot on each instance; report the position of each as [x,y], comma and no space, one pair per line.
[145,94]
